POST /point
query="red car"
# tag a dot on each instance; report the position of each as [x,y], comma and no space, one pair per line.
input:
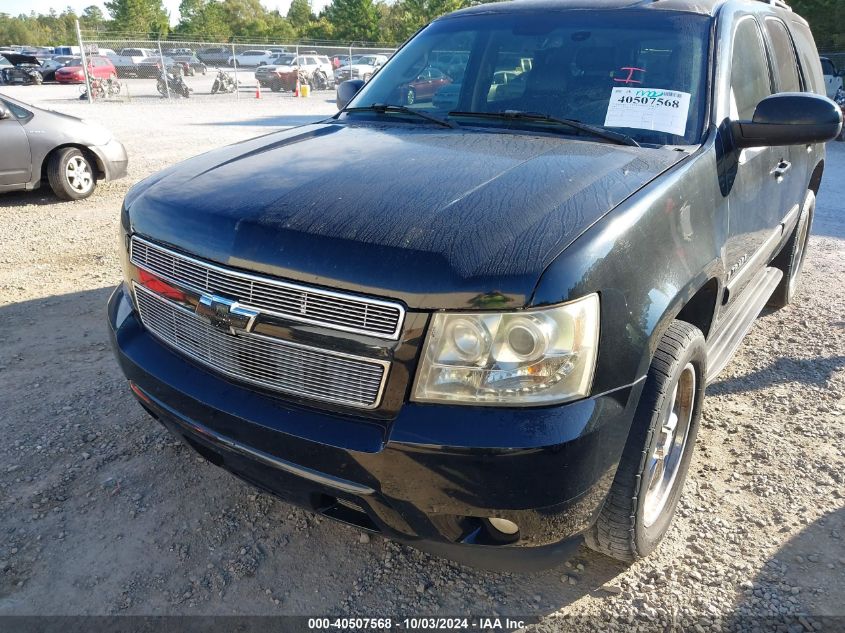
[98,67]
[427,83]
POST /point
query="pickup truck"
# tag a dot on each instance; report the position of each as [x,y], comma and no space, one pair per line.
[489,336]
[127,59]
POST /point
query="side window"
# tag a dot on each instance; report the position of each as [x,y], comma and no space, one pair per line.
[784,56]
[750,82]
[810,64]
[16,110]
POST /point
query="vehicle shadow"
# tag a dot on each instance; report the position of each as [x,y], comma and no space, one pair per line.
[802,582]
[41,196]
[323,564]
[809,371]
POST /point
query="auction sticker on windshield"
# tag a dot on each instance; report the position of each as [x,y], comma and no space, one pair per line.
[648,109]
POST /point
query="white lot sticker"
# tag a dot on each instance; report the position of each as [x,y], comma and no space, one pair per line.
[648,109]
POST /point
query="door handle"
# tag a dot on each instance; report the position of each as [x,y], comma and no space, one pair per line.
[779,171]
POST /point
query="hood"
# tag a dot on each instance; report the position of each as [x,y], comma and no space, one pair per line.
[437,218]
[16,59]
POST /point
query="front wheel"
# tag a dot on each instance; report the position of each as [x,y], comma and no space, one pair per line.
[70,174]
[642,500]
[215,87]
[411,96]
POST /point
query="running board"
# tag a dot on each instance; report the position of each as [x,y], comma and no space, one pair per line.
[736,323]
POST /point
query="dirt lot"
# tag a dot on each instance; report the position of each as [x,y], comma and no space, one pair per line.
[102,512]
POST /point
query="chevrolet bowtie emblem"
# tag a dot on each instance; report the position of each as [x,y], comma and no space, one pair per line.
[225,314]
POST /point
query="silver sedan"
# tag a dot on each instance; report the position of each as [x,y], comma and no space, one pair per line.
[68,153]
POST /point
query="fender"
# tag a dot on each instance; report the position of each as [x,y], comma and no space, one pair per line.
[646,259]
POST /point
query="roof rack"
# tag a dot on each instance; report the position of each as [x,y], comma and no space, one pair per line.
[777,3]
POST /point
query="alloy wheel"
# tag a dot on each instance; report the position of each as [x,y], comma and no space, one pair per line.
[668,451]
[79,175]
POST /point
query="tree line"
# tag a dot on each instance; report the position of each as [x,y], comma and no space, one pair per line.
[360,21]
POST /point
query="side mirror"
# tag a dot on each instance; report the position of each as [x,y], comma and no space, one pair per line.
[789,118]
[346,90]
[4,112]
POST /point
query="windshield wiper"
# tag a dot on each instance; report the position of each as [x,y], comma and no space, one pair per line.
[594,130]
[382,108]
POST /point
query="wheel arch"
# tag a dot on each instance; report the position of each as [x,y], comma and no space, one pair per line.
[92,157]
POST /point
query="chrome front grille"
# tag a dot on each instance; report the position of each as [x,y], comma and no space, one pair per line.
[278,365]
[333,310]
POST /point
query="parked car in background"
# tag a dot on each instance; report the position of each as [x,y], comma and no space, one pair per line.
[491,336]
[24,70]
[174,52]
[425,85]
[269,75]
[832,76]
[127,60]
[45,147]
[50,66]
[214,55]
[362,67]
[252,58]
[283,76]
[98,67]
[66,51]
[192,64]
[151,66]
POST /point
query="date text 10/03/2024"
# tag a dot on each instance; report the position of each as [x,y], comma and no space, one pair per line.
[418,624]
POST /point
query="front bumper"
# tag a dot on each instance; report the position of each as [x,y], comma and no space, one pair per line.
[429,478]
[112,159]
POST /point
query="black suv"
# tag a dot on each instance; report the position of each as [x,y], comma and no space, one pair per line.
[490,335]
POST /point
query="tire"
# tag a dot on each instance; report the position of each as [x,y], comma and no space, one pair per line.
[635,518]
[791,258]
[65,185]
[411,96]
[367,77]
[214,87]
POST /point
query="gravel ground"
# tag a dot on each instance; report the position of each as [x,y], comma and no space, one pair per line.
[102,512]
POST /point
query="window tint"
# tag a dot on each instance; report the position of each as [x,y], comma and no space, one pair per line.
[750,82]
[788,80]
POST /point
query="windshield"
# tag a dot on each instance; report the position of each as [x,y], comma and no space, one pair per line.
[643,73]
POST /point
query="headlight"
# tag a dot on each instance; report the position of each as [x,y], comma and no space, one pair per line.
[531,357]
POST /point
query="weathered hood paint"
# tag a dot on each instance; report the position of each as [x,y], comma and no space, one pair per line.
[437,218]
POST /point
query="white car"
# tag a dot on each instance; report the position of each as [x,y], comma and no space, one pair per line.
[362,67]
[254,57]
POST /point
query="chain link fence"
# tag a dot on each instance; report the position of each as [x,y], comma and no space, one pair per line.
[150,69]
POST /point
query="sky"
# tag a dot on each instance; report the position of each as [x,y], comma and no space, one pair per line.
[16,7]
